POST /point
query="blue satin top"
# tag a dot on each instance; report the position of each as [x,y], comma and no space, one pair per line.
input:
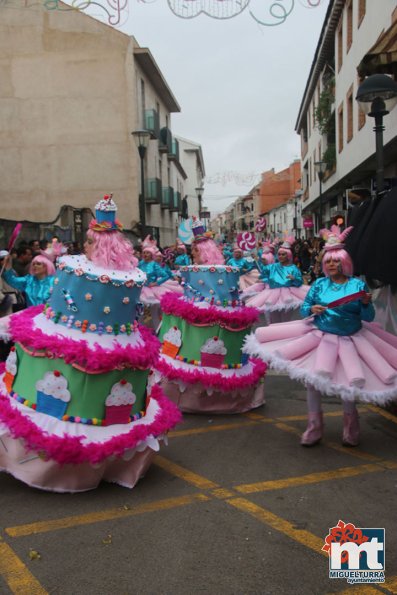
[241,263]
[167,270]
[37,291]
[276,275]
[342,320]
[182,260]
[154,272]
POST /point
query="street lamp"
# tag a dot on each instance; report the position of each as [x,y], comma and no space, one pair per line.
[376,96]
[321,168]
[142,138]
[199,192]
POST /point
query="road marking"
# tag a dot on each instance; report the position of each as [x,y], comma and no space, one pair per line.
[383,413]
[17,576]
[197,480]
[279,484]
[265,516]
[103,515]
[206,430]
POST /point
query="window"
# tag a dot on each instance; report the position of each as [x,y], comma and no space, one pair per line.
[308,121]
[314,167]
[310,172]
[349,108]
[143,102]
[349,25]
[361,115]
[361,10]
[314,112]
[340,45]
[340,127]
[319,151]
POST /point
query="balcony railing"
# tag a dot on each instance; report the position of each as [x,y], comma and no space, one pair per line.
[152,122]
[153,194]
[167,198]
[165,144]
[174,154]
[176,204]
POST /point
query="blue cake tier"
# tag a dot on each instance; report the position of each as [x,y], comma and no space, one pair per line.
[93,299]
[216,284]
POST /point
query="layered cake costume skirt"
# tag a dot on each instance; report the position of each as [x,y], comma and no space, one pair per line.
[359,366]
[75,407]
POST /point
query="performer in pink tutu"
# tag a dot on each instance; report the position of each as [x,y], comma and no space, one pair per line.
[280,291]
[336,349]
[249,273]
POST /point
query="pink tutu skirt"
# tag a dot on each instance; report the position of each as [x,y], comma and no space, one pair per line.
[263,298]
[249,279]
[152,295]
[362,365]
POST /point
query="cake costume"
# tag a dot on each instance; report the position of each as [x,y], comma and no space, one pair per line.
[77,409]
[281,290]
[336,349]
[201,366]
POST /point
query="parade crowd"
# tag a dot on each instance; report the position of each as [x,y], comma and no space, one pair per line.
[72,317]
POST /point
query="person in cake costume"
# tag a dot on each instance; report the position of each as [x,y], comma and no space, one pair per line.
[280,292]
[336,349]
[75,407]
[201,366]
[181,259]
[157,283]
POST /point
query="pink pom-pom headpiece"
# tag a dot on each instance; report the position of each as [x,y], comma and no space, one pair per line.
[334,237]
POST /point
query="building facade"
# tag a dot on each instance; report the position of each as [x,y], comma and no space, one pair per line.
[72,91]
[192,161]
[332,128]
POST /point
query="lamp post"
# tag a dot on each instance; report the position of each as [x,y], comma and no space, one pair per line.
[376,96]
[321,168]
[142,138]
[199,192]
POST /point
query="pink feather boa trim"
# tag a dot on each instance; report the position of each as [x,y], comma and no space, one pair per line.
[215,380]
[238,318]
[70,449]
[97,359]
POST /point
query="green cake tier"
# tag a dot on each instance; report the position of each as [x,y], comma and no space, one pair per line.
[87,392]
[193,339]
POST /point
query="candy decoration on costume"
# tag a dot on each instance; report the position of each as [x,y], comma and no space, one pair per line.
[185,233]
[246,240]
[260,225]
[69,300]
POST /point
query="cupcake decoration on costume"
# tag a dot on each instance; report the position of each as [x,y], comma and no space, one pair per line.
[213,353]
[52,394]
[105,215]
[172,342]
[119,403]
[10,369]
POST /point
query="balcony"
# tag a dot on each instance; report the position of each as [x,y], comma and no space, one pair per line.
[165,144]
[152,122]
[167,199]
[176,204]
[174,154]
[153,194]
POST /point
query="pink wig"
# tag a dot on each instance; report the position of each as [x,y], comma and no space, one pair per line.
[112,250]
[209,252]
[267,257]
[288,252]
[344,259]
[44,260]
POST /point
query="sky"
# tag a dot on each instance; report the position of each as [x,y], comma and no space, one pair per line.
[239,83]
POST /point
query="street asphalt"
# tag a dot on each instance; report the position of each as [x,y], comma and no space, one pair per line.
[233,505]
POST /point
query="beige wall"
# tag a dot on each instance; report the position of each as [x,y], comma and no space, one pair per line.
[67,106]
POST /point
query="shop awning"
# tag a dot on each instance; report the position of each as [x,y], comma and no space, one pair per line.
[382,57]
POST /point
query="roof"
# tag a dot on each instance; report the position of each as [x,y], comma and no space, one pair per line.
[382,57]
[148,64]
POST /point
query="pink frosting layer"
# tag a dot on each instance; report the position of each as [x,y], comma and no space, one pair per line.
[92,359]
[70,449]
[238,318]
[213,379]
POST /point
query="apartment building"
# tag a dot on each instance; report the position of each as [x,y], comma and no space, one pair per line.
[333,130]
[72,91]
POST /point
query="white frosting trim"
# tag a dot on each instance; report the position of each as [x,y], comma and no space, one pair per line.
[80,261]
